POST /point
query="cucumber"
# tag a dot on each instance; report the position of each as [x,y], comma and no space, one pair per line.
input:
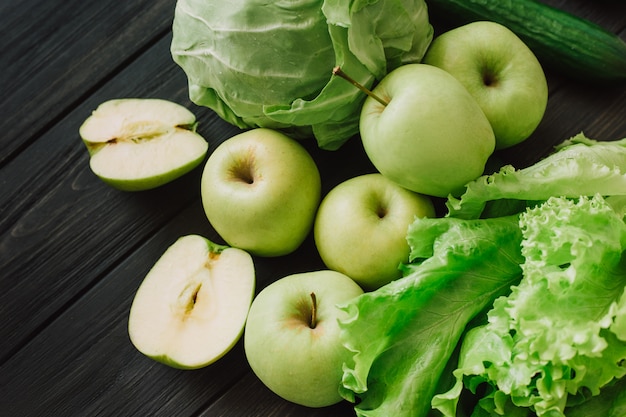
[563,42]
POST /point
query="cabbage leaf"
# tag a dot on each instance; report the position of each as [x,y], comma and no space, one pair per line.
[269,64]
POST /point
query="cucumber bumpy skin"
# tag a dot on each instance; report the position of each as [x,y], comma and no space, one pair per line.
[570,45]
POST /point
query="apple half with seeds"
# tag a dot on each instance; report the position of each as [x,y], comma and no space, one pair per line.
[192,306]
[138,144]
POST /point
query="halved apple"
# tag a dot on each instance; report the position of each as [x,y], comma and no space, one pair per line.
[191,308]
[137,144]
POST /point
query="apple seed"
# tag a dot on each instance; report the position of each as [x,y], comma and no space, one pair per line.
[189,297]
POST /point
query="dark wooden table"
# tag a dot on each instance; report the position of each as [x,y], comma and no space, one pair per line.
[73,250]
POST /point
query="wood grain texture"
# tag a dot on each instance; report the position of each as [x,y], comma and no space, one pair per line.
[237,403]
[61,227]
[54,53]
[73,251]
[83,363]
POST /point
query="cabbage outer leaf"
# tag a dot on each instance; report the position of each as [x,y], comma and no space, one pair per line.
[269,64]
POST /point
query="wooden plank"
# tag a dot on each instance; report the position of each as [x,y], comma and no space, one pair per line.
[87,345]
[73,251]
[249,397]
[55,52]
[61,228]
[83,363]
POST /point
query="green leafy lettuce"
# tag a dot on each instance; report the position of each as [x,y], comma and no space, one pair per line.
[610,403]
[559,337]
[269,64]
[403,334]
[513,304]
[580,166]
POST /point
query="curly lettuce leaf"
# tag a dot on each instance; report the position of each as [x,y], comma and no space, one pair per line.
[403,334]
[580,166]
[269,64]
[560,336]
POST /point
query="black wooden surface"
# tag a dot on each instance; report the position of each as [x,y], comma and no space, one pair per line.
[73,250]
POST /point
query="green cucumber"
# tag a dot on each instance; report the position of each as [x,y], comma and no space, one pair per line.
[563,42]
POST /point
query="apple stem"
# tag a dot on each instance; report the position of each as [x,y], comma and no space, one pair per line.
[313,322]
[339,72]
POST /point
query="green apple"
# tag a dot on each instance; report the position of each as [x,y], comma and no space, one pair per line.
[430,135]
[292,336]
[260,191]
[191,308]
[361,226]
[137,144]
[500,72]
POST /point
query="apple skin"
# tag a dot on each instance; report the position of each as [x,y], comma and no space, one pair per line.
[299,363]
[191,308]
[361,226]
[432,137]
[260,191]
[500,72]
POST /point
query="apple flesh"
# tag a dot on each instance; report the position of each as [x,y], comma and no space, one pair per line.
[139,144]
[260,191]
[431,137]
[361,226]
[292,336]
[191,308]
[500,72]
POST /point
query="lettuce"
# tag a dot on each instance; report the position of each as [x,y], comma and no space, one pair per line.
[269,64]
[580,166]
[403,334]
[560,336]
[553,342]
[610,403]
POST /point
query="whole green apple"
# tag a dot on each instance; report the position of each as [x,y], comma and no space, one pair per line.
[361,226]
[260,191]
[431,136]
[500,72]
[191,307]
[136,144]
[292,336]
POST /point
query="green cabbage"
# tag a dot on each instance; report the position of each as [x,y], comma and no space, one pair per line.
[269,64]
